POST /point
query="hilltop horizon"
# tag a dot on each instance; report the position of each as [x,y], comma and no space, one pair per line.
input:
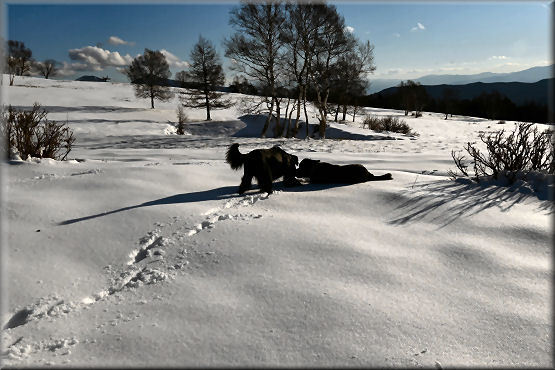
[411,40]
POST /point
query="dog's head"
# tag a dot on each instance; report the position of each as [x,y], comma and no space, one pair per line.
[305,167]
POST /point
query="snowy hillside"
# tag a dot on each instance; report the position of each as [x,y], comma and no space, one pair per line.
[139,252]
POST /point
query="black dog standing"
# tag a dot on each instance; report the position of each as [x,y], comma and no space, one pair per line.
[265,165]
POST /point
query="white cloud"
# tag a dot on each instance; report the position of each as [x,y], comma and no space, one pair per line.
[349,29]
[68,69]
[419,27]
[396,35]
[498,57]
[174,61]
[114,40]
[96,58]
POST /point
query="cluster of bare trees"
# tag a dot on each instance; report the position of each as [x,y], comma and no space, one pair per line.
[290,53]
[304,48]
[413,97]
[19,62]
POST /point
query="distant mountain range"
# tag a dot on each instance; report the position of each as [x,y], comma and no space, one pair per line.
[530,75]
[518,92]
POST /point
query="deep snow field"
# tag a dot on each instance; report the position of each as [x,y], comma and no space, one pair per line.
[138,251]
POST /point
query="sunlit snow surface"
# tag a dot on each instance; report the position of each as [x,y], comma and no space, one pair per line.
[138,251]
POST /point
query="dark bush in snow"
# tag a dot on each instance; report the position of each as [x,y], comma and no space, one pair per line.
[388,123]
[510,156]
[29,133]
[181,119]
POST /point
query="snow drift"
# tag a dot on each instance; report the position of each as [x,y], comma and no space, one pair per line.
[139,252]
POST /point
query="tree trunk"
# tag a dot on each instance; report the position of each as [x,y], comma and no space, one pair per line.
[322,110]
[305,114]
[296,127]
[289,129]
[151,99]
[268,119]
[337,112]
[207,107]
[287,108]
[277,129]
[344,112]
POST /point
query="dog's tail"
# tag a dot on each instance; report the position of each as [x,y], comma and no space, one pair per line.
[234,157]
[387,176]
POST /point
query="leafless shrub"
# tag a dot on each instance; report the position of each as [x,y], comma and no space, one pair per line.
[388,123]
[31,134]
[181,119]
[512,155]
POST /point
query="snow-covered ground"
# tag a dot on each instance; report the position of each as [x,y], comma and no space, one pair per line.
[139,252]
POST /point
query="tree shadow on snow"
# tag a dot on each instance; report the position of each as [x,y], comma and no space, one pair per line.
[254,123]
[225,192]
[445,201]
[84,109]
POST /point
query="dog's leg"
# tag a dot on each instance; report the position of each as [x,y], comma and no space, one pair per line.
[291,181]
[387,176]
[265,181]
[246,180]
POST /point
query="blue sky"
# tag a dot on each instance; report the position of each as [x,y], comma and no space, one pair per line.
[411,39]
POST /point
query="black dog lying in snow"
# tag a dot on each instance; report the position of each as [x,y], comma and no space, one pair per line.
[264,164]
[327,173]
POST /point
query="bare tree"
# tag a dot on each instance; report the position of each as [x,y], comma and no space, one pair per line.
[206,71]
[351,79]
[449,96]
[21,56]
[412,97]
[149,73]
[331,43]
[18,60]
[241,85]
[256,47]
[181,77]
[298,38]
[47,68]
[11,67]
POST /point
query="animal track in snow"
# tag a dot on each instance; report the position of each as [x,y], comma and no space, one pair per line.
[22,348]
[151,244]
[51,176]
[213,219]
[146,265]
[45,307]
[215,215]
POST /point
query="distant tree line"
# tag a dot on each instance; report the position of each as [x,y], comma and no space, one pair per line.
[412,97]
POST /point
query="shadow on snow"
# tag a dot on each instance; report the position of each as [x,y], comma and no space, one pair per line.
[443,202]
[225,192]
